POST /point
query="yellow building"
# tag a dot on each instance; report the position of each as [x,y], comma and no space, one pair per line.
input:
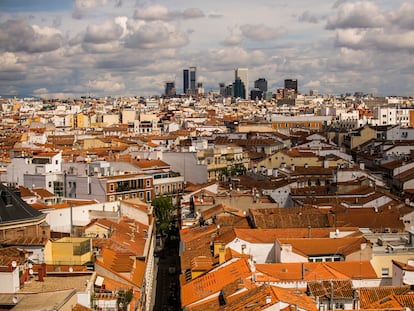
[68,251]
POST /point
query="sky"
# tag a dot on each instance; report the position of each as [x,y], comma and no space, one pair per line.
[64,49]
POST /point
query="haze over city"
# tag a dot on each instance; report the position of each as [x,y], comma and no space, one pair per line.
[103,47]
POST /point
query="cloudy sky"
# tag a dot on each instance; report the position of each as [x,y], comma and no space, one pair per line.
[131,47]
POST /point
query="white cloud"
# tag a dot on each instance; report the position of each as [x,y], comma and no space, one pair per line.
[103,33]
[261,32]
[160,12]
[364,14]
[9,62]
[156,35]
[107,84]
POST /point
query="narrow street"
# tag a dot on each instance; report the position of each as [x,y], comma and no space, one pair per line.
[167,288]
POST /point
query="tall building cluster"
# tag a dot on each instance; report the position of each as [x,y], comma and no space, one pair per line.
[239,88]
[189,80]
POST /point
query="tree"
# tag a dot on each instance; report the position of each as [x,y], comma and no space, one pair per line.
[163,209]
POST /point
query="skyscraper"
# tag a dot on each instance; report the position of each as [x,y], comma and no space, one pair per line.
[169,89]
[291,84]
[185,81]
[242,74]
[239,90]
[193,79]
[261,84]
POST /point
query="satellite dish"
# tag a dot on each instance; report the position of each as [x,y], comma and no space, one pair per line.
[70,269]
[31,271]
[14,264]
[15,299]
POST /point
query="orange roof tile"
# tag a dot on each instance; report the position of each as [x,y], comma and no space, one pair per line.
[370,295]
[214,281]
[306,247]
[339,270]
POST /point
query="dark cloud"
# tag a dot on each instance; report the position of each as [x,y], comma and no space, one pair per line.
[215,15]
[192,13]
[19,36]
[403,17]
[307,17]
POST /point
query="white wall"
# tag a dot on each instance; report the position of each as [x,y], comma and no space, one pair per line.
[284,254]
[261,252]
[59,219]
[9,281]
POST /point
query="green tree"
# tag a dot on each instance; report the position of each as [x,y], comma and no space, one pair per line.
[163,210]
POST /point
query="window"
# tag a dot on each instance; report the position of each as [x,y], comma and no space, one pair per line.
[385,272]
[148,196]
[141,195]
[148,183]
[111,187]
[111,198]
[50,184]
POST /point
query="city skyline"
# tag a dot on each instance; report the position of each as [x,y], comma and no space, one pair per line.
[103,47]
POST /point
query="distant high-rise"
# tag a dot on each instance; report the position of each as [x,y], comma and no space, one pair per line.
[193,79]
[243,75]
[185,81]
[291,84]
[261,84]
[169,89]
[190,80]
[222,87]
[239,89]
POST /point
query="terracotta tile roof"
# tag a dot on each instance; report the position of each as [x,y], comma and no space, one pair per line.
[117,261]
[341,289]
[221,208]
[25,192]
[214,281]
[403,266]
[147,164]
[79,307]
[194,187]
[369,218]
[406,300]
[270,235]
[319,246]
[313,271]
[292,217]
[189,234]
[370,295]
[294,298]
[25,240]
[43,193]
[138,272]
[204,263]
[387,303]
[232,221]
